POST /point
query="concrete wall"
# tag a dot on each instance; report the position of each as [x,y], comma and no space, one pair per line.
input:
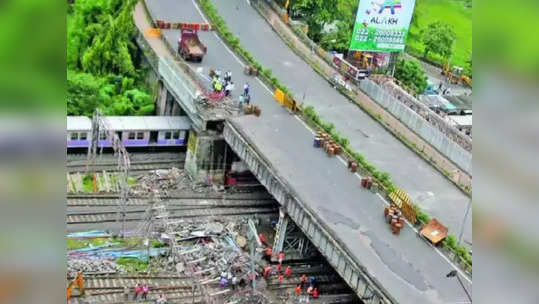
[442,143]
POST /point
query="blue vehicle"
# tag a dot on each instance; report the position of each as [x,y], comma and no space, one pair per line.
[431,89]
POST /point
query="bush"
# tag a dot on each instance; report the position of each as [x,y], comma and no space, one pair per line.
[450,241]
[423,217]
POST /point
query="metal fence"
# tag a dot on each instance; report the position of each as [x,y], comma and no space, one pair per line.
[422,127]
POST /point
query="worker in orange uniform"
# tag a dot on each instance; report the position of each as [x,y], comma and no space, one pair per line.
[267,271]
[280,277]
[288,271]
[281,257]
[298,290]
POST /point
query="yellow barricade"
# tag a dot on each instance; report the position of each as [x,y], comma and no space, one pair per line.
[279,96]
[153,32]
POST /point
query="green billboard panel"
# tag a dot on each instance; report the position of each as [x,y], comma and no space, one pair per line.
[382,25]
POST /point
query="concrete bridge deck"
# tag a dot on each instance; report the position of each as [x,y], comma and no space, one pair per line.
[343,220]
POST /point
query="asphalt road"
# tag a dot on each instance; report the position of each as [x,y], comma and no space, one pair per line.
[405,265]
[426,186]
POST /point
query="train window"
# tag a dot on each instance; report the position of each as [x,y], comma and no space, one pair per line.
[131,135]
[140,135]
[176,135]
[103,136]
[83,136]
[182,134]
[168,135]
[74,136]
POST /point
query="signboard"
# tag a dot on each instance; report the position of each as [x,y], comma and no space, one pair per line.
[382,25]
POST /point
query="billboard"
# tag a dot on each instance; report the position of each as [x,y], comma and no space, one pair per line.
[382,25]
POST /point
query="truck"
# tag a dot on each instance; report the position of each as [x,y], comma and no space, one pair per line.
[190,47]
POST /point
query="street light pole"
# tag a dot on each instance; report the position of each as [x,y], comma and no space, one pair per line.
[454,273]
[464,220]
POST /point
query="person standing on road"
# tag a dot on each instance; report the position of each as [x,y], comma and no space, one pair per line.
[228,76]
[229,88]
[280,278]
[246,89]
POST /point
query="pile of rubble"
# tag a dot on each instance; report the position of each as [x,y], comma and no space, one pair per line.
[92,266]
[165,180]
[248,298]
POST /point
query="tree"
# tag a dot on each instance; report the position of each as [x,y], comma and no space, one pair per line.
[338,40]
[318,13]
[410,73]
[439,38]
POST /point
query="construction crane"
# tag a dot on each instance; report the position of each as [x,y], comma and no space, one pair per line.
[77,282]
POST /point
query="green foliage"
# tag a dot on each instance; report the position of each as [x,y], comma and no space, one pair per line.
[455,13]
[423,217]
[113,94]
[73,243]
[339,39]
[410,73]
[102,60]
[318,13]
[132,265]
[439,37]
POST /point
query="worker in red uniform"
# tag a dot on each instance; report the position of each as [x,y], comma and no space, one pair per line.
[262,239]
[315,293]
[281,257]
[267,271]
[288,271]
[268,252]
[280,277]
[298,290]
[303,280]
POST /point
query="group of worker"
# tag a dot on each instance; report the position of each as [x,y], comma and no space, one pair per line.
[229,278]
[228,85]
[310,291]
[225,83]
[142,291]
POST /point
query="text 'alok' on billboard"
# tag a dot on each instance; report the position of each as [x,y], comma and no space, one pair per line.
[382,25]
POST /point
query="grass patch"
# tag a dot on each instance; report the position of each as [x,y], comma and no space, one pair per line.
[87,183]
[132,264]
[450,11]
[73,244]
[131,180]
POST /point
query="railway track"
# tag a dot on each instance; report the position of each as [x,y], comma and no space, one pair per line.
[135,166]
[208,201]
[110,289]
[174,213]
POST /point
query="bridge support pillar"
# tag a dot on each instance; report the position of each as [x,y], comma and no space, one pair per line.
[290,239]
[205,158]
